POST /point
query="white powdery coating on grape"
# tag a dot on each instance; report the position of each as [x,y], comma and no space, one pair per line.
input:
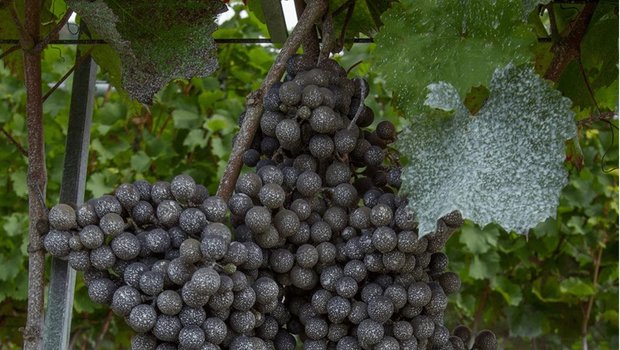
[504,165]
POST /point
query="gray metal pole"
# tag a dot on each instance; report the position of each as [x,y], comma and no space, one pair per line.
[62,284]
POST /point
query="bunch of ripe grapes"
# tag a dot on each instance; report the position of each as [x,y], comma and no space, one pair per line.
[315,248]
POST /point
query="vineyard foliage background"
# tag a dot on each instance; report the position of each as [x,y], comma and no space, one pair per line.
[546,290]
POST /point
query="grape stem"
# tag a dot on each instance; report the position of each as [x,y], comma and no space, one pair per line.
[254,102]
[361,106]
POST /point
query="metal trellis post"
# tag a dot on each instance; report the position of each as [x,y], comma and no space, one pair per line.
[62,284]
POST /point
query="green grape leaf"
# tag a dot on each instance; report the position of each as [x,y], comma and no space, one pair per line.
[156,41]
[504,165]
[459,42]
[577,287]
[365,19]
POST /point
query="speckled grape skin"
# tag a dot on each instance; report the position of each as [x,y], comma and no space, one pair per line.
[380,308]
[91,237]
[86,215]
[191,337]
[215,330]
[191,316]
[213,247]
[168,212]
[79,260]
[157,240]
[240,203]
[112,224]
[308,183]
[62,217]
[381,215]
[101,290]
[384,239]
[192,220]
[306,256]
[143,342]
[423,327]
[125,299]
[370,332]
[346,287]
[107,204]
[288,134]
[125,246]
[102,258]
[237,254]
[160,191]
[167,328]
[319,300]
[192,297]
[183,187]
[258,219]
[321,146]
[143,213]
[169,302]
[215,208]
[206,280]
[338,309]
[151,282]
[266,290]
[57,243]
[281,260]
[272,195]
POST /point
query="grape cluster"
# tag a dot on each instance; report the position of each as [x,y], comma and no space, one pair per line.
[322,203]
[161,256]
[315,245]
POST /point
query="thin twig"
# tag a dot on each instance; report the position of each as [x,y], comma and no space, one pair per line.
[604,117]
[61,23]
[588,310]
[104,329]
[66,76]
[363,91]
[354,65]
[254,102]
[587,82]
[10,137]
[9,51]
[347,19]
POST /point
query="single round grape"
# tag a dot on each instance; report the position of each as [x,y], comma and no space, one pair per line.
[167,328]
[346,287]
[386,130]
[288,134]
[101,290]
[143,213]
[423,326]
[169,302]
[213,248]
[380,308]
[324,120]
[102,258]
[215,330]
[258,219]
[271,174]
[192,220]
[290,93]
[320,231]
[168,212]
[402,330]
[255,256]
[215,208]
[307,256]
[370,332]
[143,342]
[303,278]
[337,173]
[183,187]
[125,298]
[62,217]
[160,191]
[79,260]
[157,240]
[151,282]
[191,337]
[336,217]
[249,184]
[57,243]
[272,195]
[348,343]
[107,204]
[217,229]
[321,146]
[192,297]
[344,195]
[86,215]
[125,246]
[191,316]
[316,328]
[142,318]
[345,141]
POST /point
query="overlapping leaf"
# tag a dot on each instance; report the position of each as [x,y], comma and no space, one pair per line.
[157,41]
[459,42]
[504,165]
